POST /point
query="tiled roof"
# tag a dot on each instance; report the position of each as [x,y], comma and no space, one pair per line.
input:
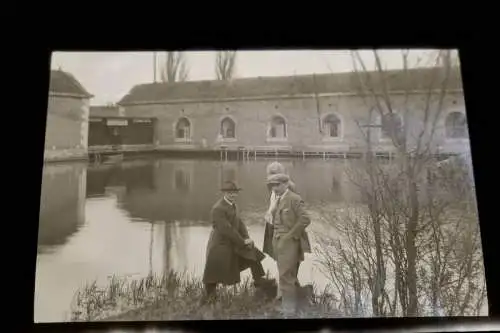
[66,83]
[414,79]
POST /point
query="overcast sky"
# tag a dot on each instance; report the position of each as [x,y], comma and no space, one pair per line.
[110,75]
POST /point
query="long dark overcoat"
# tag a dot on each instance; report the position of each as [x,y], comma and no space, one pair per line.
[227,255]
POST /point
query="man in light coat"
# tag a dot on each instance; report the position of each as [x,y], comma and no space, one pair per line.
[273,169]
[290,240]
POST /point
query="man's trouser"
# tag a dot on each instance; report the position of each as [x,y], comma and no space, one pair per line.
[288,260]
[255,267]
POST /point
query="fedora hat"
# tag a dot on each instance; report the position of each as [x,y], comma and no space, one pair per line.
[230,186]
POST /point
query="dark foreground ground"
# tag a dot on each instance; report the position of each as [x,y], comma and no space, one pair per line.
[229,306]
[174,297]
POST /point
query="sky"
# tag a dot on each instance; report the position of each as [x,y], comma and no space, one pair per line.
[110,75]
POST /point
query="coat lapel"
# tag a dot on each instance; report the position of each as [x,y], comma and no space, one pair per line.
[231,210]
[283,203]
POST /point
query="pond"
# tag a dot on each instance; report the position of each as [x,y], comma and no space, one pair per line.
[152,215]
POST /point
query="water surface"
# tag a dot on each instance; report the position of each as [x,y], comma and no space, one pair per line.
[152,215]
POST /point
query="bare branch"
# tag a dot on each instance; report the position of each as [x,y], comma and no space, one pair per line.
[175,68]
[225,65]
[415,245]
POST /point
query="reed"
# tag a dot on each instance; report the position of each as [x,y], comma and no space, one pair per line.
[176,296]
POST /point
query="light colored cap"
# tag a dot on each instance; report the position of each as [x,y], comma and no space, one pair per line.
[278,178]
[275,168]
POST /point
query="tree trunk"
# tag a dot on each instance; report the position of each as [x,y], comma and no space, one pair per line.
[411,273]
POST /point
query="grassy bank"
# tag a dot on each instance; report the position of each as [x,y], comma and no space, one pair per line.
[176,296]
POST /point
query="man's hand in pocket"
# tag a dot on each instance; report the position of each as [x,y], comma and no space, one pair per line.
[249,242]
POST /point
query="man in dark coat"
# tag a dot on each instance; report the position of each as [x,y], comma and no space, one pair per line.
[230,249]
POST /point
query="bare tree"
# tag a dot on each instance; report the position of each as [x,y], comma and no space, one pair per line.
[454,284]
[402,233]
[175,67]
[225,62]
[377,92]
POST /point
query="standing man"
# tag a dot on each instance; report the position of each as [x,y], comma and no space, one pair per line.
[273,169]
[230,249]
[290,239]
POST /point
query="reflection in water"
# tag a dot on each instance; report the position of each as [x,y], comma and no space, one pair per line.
[151,216]
[61,204]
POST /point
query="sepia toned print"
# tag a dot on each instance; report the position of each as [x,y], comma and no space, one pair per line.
[257,184]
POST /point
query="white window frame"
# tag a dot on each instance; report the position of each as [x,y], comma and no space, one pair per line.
[381,137]
[327,137]
[191,128]
[446,115]
[220,138]
[269,125]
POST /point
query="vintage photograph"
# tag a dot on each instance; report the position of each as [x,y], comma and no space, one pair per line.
[193,185]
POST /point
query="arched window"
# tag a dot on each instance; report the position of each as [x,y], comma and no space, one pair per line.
[228,128]
[392,122]
[277,128]
[331,126]
[183,129]
[456,125]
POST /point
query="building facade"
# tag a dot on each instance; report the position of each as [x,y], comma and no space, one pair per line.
[66,131]
[109,127]
[309,113]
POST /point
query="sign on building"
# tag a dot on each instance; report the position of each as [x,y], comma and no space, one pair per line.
[117,122]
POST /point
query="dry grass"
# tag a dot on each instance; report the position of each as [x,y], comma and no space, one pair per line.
[175,296]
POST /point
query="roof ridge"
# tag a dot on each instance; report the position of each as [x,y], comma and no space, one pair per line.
[281,77]
[65,82]
[274,85]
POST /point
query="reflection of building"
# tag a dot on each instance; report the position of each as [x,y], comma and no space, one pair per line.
[282,112]
[330,182]
[183,177]
[67,117]
[133,175]
[62,203]
[186,190]
[177,242]
[228,172]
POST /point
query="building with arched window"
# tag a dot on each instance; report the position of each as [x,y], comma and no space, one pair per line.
[456,125]
[277,128]
[332,126]
[392,127]
[296,113]
[228,128]
[183,130]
